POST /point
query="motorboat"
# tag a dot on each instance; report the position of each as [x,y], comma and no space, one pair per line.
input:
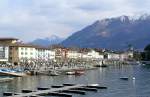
[79,72]
[11,72]
[70,73]
[124,78]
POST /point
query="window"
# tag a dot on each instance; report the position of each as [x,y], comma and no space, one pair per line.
[10,48]
[10,58]
[21,53]
[26,53]
[10,53]
[16,48]
[31,53]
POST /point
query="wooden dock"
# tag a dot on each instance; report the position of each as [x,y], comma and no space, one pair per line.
[61,91]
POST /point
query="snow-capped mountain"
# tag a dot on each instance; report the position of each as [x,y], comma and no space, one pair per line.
[113,33]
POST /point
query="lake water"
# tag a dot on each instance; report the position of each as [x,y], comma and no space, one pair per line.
[140,87]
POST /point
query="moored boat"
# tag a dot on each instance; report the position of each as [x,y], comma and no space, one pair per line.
[124,78]
[70,73]
[101,65]
[8,72]
[79,72]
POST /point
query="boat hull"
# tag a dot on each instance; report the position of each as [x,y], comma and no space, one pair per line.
[14,74]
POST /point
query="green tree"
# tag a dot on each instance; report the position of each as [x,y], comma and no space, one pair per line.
[147,52]
[147,48]
[137,55]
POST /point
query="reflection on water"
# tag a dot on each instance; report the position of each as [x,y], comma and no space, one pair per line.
[138,87]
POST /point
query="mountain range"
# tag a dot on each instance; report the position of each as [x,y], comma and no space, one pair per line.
[53,39]
[113,33]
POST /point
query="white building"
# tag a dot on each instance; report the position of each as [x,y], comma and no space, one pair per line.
[113,56]
[33,52]
[45,53]
[92,55]
[20,52]
[72,54]
[120,56]
[126,55]
[27,52]
[4,53]
[17,51]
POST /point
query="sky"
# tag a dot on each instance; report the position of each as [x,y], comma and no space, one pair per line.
[32,19]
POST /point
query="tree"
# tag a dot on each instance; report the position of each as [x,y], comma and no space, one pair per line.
[138,55]
[147,52]
[147,48]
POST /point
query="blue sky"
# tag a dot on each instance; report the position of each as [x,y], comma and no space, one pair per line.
[31,19]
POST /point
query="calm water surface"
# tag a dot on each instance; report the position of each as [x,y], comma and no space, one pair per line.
[140,87]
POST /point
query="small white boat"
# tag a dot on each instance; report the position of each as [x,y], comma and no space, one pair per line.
[93,85]
[70,73]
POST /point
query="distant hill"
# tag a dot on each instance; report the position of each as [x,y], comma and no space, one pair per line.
[48,41]
[113,33]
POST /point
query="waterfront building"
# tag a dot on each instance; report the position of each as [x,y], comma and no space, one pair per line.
[122,56]
[128,55]
[44,53]
[113,56]
[73,54]
[92,54]
[60,53]
[20,51]
[14,51]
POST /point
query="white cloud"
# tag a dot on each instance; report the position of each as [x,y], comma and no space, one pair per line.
[30,19]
